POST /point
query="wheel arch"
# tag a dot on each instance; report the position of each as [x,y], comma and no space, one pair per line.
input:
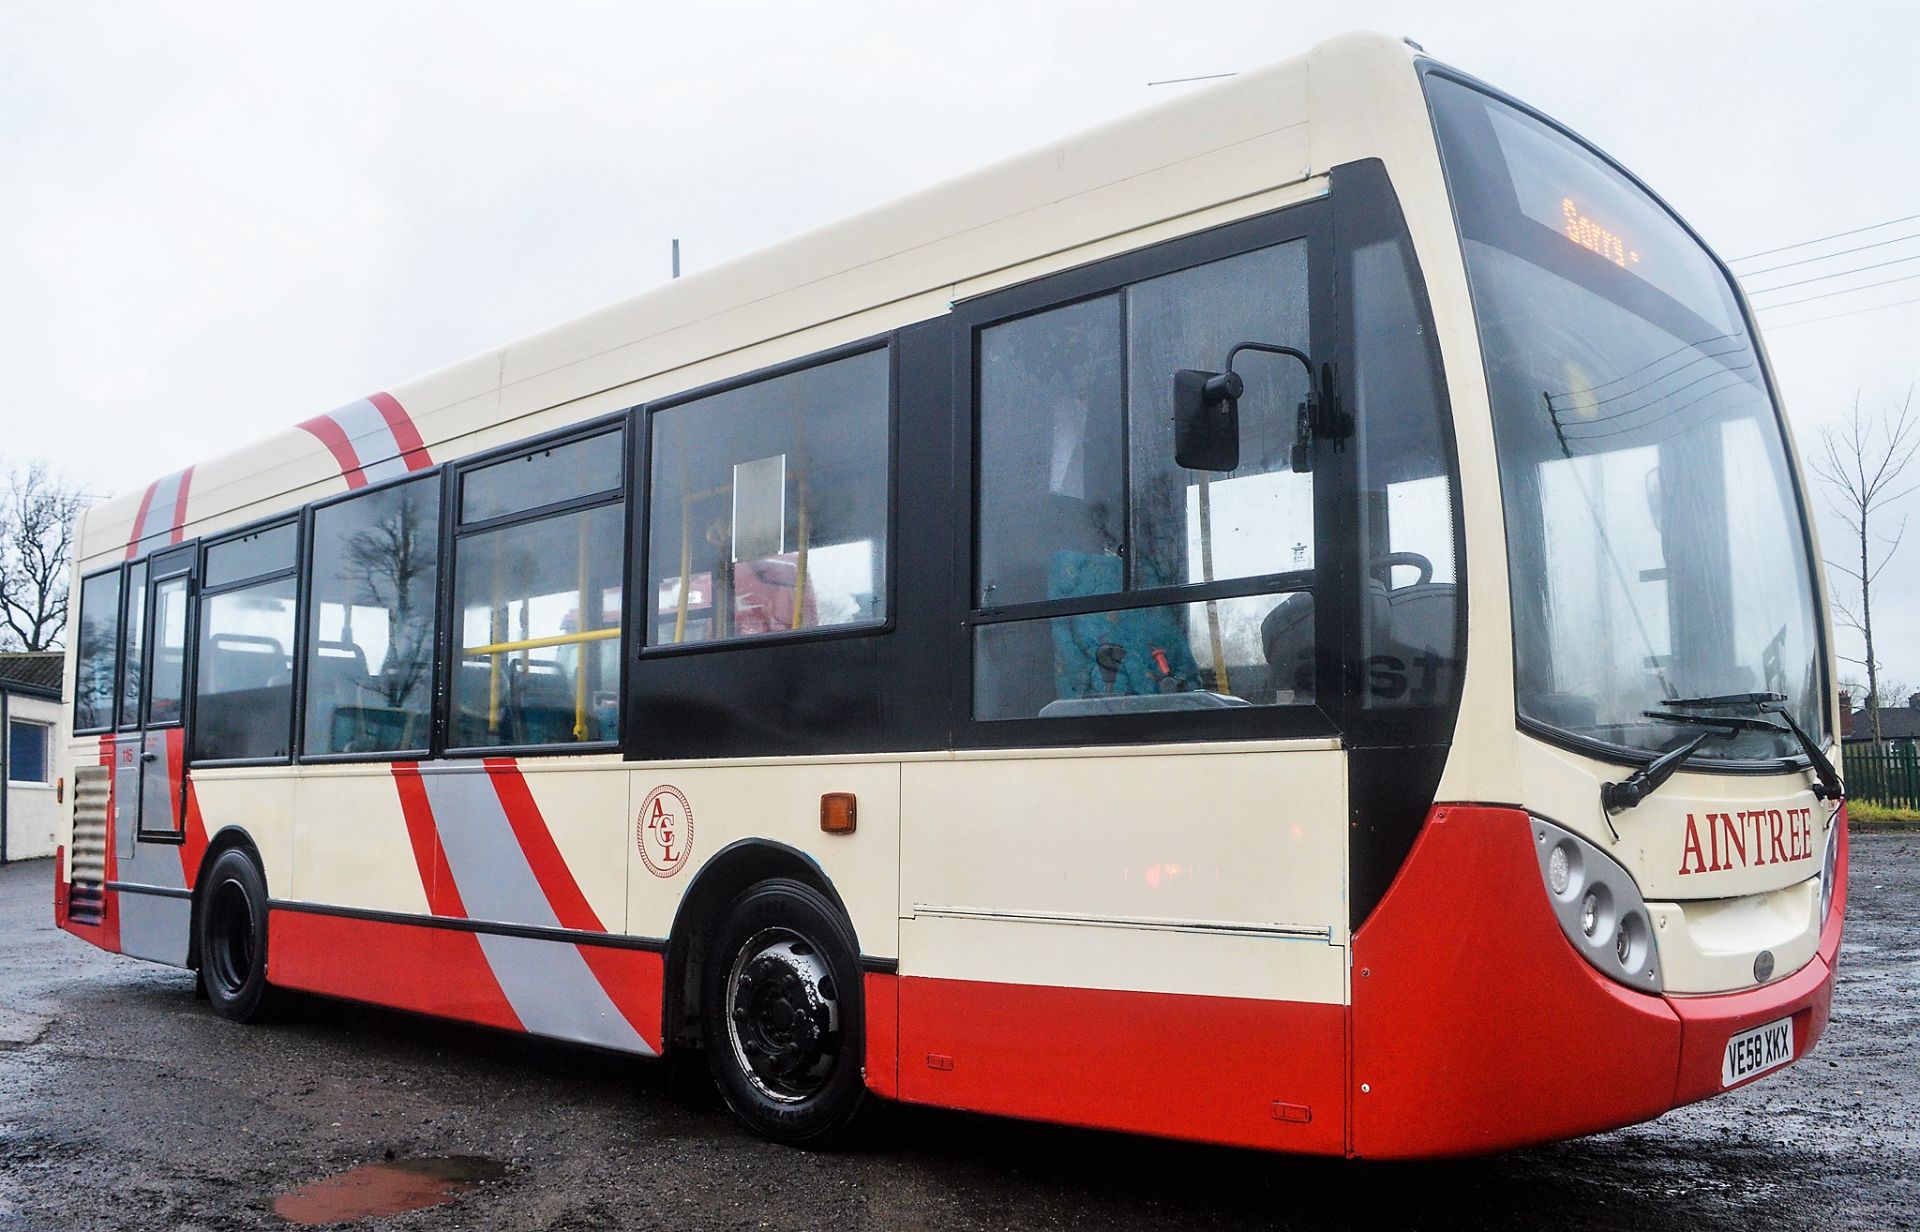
[719,881]
[227,839]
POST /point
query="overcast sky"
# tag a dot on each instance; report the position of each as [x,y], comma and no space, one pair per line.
[218,219]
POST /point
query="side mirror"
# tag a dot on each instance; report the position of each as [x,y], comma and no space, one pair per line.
[1206,419]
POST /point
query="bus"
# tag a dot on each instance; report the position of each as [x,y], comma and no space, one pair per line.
[1238,626]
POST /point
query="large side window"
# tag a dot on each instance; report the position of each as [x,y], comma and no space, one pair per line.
[372,593]
[768,511]
[537,571]
[1084,510]
[95,651]
[243,697]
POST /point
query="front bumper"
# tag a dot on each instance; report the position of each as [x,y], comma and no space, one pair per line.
[1476,1027]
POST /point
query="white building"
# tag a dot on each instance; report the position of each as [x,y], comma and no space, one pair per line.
[30,712]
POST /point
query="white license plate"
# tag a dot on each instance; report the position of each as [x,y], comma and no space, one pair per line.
[1755,1051]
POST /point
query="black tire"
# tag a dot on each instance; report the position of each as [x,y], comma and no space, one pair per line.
[232,923]
[782,1015]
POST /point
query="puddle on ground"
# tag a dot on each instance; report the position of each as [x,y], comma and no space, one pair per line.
[387,1188]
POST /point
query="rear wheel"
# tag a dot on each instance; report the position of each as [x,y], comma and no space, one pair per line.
[782,1014]
[233,937]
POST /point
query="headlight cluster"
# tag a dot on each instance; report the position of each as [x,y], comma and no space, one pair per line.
[1829,867]
[1598,906]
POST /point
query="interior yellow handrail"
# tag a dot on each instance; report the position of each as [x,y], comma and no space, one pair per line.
[537,643]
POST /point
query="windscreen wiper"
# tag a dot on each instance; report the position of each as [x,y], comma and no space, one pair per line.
[1828,788]
[1630,791]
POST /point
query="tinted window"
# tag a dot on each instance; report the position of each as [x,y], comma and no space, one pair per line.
[263,552]
[1081,501]
[243,703]
[169,666]
[26,752]
[1410,606]
[541,477]
[95,648]
[538,605]
[1051,488]
[133,673]
[769,505]
[371,613]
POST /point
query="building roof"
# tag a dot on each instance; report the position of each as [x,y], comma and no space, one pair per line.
[1896,723]
[31,671]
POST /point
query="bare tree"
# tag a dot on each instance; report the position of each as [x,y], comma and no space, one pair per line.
[1862,462]
[37,510]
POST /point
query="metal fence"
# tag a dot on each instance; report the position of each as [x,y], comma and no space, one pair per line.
[1889,774]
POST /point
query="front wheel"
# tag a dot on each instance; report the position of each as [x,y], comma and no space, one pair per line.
[233,937]
[782,1014]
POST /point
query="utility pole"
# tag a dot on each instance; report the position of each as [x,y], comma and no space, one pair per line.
[676,258]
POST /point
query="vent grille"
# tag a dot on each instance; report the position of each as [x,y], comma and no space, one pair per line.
[86,896]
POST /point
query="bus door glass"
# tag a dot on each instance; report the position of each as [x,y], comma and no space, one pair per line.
[163,708]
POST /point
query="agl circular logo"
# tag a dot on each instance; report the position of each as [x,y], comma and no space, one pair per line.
[664,831]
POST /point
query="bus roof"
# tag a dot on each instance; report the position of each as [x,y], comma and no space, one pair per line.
[1204,157]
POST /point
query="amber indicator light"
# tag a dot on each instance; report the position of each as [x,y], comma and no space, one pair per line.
[838,813]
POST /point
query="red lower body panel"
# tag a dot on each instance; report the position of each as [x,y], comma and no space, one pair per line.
[1264,1074]
[435,971]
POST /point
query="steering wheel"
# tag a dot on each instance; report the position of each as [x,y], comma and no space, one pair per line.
[1382,565]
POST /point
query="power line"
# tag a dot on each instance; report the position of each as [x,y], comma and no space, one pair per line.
[1858,269]
[1828,256]
[1174,81]
[1835,316]
[1767,252]
[1887,282]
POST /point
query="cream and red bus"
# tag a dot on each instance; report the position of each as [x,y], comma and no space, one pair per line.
[1287,620]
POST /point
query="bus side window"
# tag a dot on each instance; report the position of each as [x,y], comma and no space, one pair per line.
[1083,506]
[769,506]
[538,597]
[1409,615]
[370,618]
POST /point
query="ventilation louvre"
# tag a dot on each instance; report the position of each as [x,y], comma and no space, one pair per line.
[87,890]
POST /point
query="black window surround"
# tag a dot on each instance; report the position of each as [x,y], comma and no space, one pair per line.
[781,701]
[259,532]
[620,426]
[640,562]
[1308,222]
[116,650]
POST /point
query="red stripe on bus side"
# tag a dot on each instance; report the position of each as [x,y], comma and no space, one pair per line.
[179,529]
[331,435]
[632,984]
[424,969]
[406,437]
[549,867]
[140,519]
[193,830]
[443,897]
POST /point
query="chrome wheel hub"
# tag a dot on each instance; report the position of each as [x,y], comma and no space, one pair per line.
[783,1015]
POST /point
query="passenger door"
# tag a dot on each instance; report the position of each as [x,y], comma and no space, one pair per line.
[1123,898]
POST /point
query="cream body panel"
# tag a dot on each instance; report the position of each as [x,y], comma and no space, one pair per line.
[1206,871]
[777,800]
[1709,947]
[583,804]
[1564,787]
[260,804]
[350,842]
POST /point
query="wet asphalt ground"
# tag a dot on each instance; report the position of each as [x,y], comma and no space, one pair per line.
[124,1103]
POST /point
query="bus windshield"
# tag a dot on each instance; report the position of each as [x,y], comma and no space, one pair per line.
[1656,549]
